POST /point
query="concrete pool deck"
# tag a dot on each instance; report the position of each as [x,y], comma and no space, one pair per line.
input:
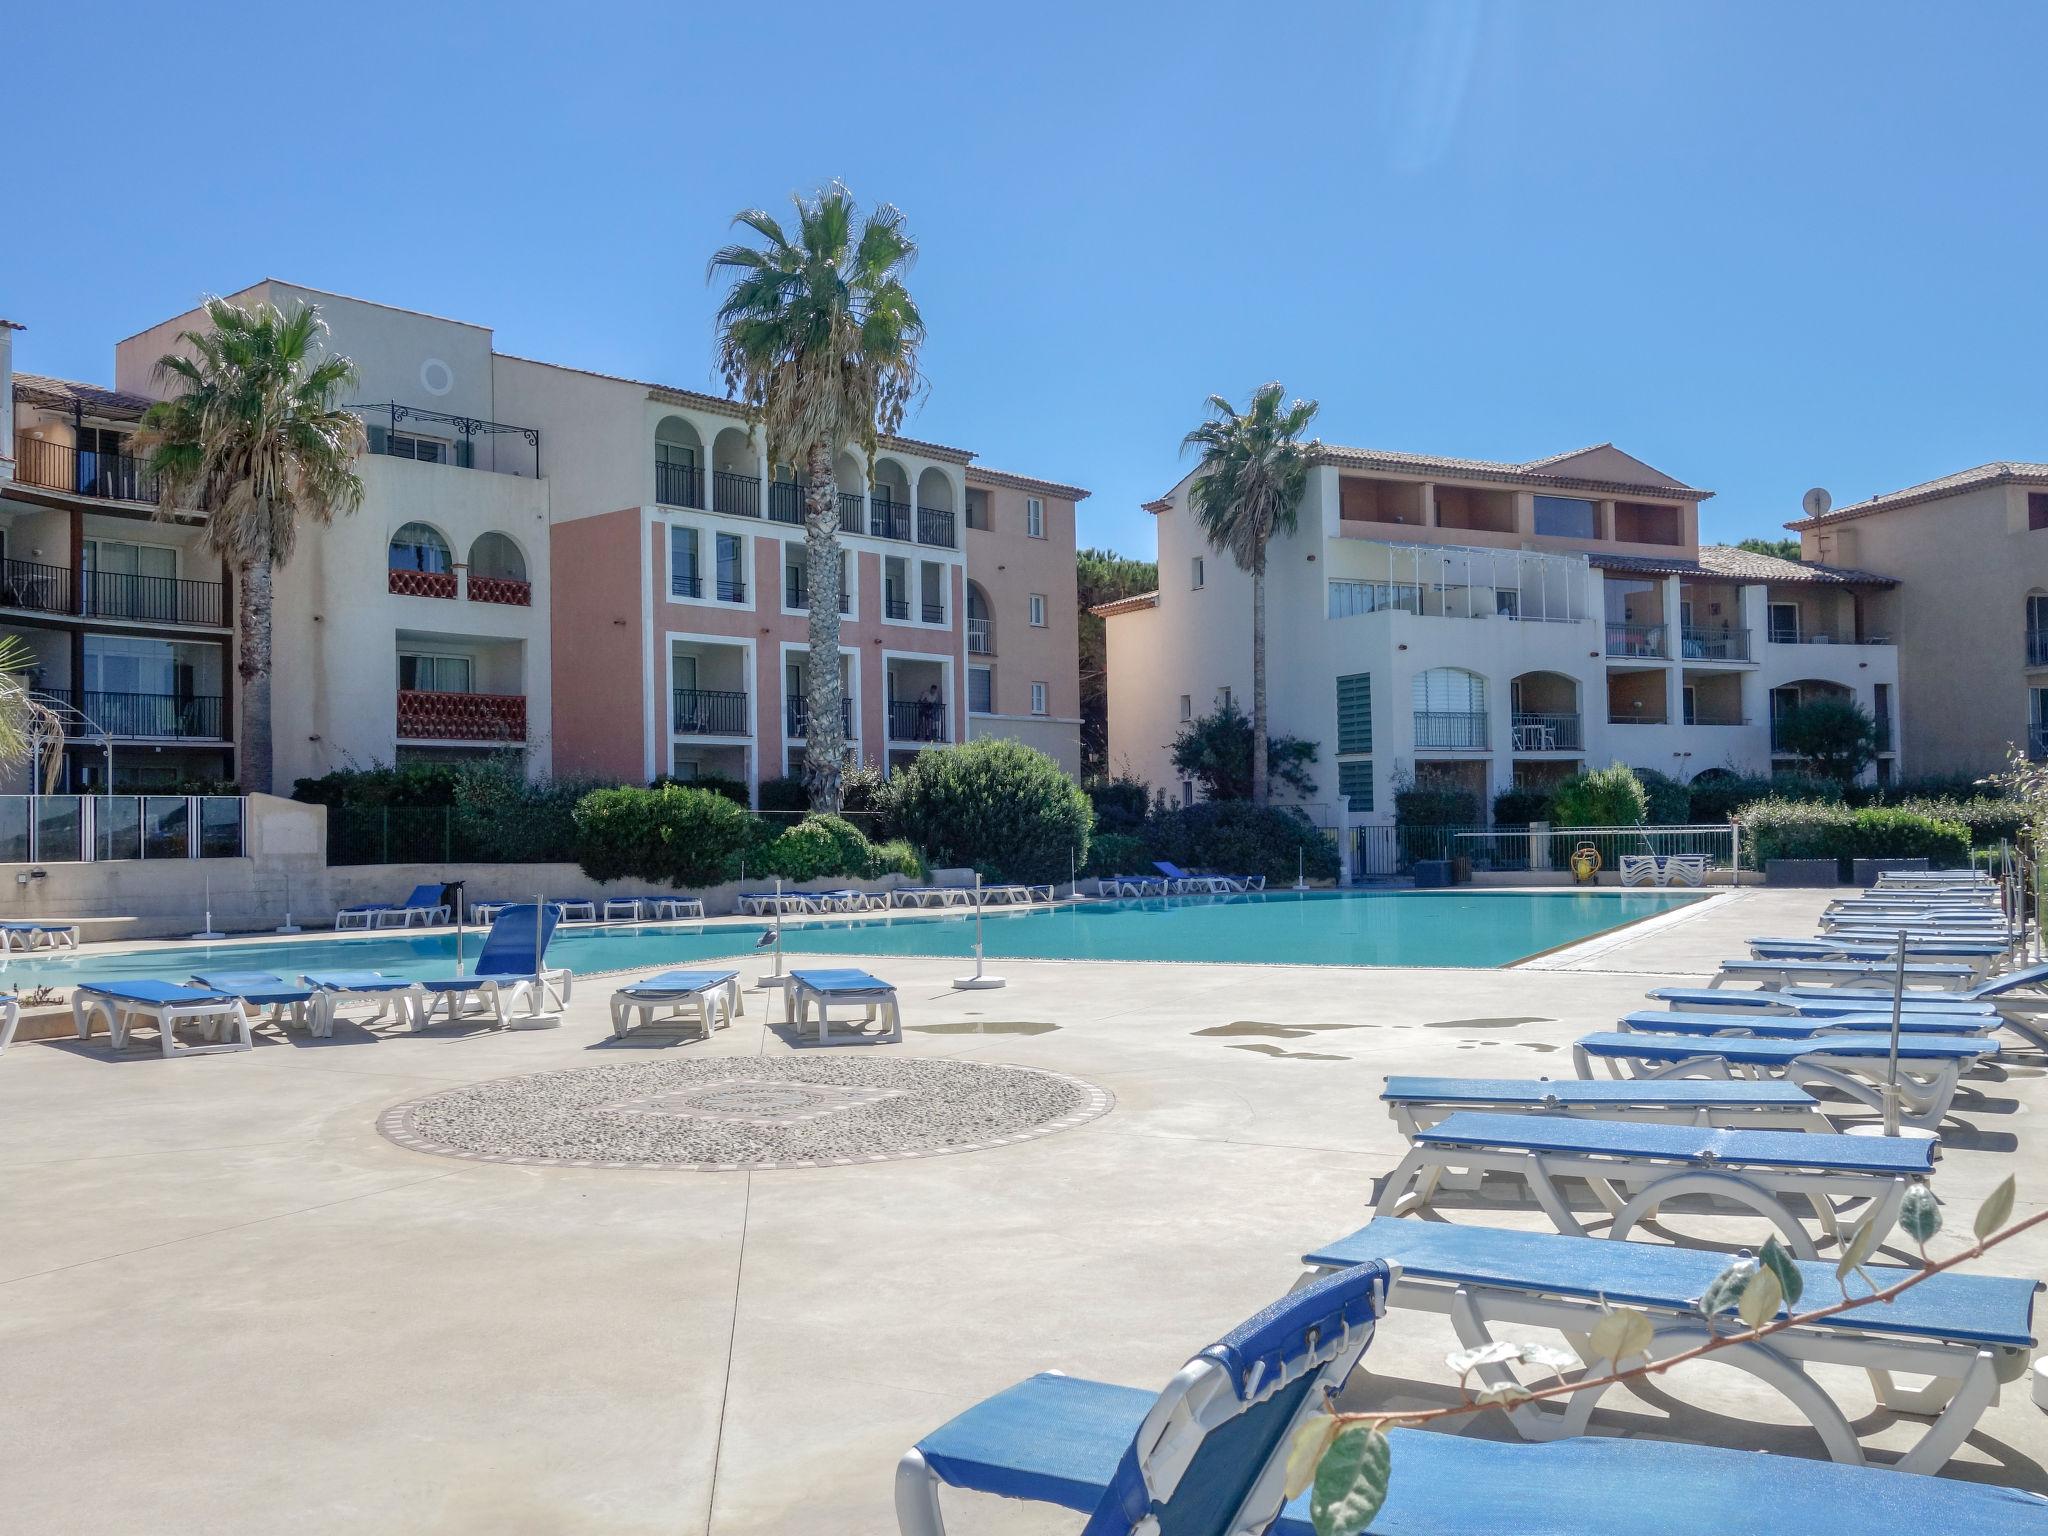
[228,1304]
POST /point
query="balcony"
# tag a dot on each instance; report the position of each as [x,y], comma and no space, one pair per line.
[61,467]
[111,595]
[797,715]
[501,589]
[1548,733]
[731,591]
[434,716]
[1827,635]
[914,720]
[467,442]
[1450,730]
[403,582]
[1638,640]
[1635,717]
[678,485]
[896,607]
[796,594]
[932,613]
[935,527]
[710,712]
[786,501]
[2037,647]
[981,637]
[852,516]
[889,519]
[38,588]
[735,495]
[1457,582]
[144,716]
[1715,644]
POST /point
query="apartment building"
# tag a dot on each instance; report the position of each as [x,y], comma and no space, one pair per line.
[1970,552]
[603,575]
[1485,624]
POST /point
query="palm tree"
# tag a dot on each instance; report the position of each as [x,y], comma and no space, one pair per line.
[1249,485]
[818,336]
[255,440]
[28,726]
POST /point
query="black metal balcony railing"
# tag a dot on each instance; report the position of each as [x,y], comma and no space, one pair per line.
[147,716]
[798,715]
[981,637]
[889,519]
[685,584]
[710,712]
[852,516]
[915,720]
[160,599]
[2037,647]
[896,607]
[1635,639]
[735,495]
[61,467]
[1451,729]
[796,593]
[935,527]
[1715,644]
[678,485]
[39,588]
[731,591]
[786,501]
[1548,731]
[934,613]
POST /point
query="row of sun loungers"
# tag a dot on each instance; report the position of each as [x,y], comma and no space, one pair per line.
[1172,880]
[1662,869]
[27,935]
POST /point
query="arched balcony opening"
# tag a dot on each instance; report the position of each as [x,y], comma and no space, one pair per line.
[678,463]
[1450,711]
[497,571]
[1546,716]
[735,474]
[421,563]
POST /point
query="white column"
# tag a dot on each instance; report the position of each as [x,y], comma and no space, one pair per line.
[1674,647]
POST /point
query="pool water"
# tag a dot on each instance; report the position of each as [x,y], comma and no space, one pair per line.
[1277,928]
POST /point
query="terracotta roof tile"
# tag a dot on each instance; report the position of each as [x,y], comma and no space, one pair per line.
[63,394]
[1024,483]
[1126,604]
[1724,562]
[2000,472]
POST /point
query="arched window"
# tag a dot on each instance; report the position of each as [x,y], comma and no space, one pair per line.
[416,547]
[495,555]
[1450,689]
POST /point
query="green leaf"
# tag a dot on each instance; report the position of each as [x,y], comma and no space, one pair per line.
[1760,1298]
[1310,1440]
[1995,1210]
[1351,1482]
[1919,1215]
[1781,1263]
[1725,1289]
[1856,1252]
[1622,1333]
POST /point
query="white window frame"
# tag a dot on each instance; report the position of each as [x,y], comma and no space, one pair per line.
[988,672]
[1038,610]
[445,447]
[1039,702]
[439,658]
[1198,573]
[1187,706]
[1771,624]
[1034,517]
[706,532]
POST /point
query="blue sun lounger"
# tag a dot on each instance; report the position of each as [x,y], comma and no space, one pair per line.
[706,994]
[1930,1067]
[1416,1103]
[1979,954]
[1816,1001]
[1970,1333]
[1786,1026]
[259,990]
[334,989]
[23,933]
[1090,1447]
[823,989]
[1756,1169]
[1922,975]
[166,1005]
[1205,1457]
[511,970]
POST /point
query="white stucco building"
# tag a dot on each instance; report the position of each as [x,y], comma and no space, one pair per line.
[1487,624]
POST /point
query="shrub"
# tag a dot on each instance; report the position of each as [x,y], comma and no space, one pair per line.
[732,789]
[502,817]
[1607,797]
[683,837]
[814,848]
[995,805]
[1240,838]
[1721,795]
[1117,853]
[895,857]
[1943,786]
[1120,804]
[1787,829]
[1836,735]
[1521,804]
[1992,820]
[1668,802]
[1216,752]
[867,798]
[1435,804]
[380,784]
[784,795]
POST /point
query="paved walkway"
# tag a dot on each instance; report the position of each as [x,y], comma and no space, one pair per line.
[228,1304]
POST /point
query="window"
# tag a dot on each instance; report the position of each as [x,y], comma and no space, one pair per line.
[2037,511]
[685,579]
[1691,711]
[1450,689]
[1034,517]
[1198,573]
[416,547]
[977,509]
[428,450]
[1038,698]
[1354,780]
[2037,629]
[1187,791]
[113,557]
[732,585]
[436,674]
[1223,698]
[981,691]
[1354,713]
[1567,517]
[1038,610]
[1187,706]
[1507,602]
[1784,623]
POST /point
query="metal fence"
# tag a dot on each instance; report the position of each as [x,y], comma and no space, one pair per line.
[1383,852]
[93,829]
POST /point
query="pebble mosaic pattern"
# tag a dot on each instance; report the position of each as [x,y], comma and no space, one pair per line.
[728,1114]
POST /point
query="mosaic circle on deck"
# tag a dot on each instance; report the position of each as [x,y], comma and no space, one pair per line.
[728,1113]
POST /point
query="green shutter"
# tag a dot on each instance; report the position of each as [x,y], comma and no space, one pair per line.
[1354,713]
[1354,779]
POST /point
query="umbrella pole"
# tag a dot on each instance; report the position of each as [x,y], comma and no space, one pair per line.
[1891,1076]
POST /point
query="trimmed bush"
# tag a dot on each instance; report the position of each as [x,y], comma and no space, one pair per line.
[711,783]
[1784,829]
[1435,805]
[1522,804]
[819,847]
[895,857]
[1991,820]
[1607,797]
[1932,786]
[867,798]
[1669,803]
[679,836]
[502,818]
[994,805]
[784,795]
[1719,797]
[1120,804]
[1238,838]
[1117,853]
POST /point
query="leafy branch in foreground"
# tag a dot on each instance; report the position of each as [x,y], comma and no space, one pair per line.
[1346,1461]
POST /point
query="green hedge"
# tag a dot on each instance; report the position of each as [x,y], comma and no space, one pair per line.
[1787,829]
[998,806]
[1117,853]
[1668,803]
[1239,838]
[1435,805]
[1520,804]
[822,847]
[486,812]
[678,836]
[1606,797]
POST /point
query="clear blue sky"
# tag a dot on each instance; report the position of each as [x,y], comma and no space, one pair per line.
[1763,246]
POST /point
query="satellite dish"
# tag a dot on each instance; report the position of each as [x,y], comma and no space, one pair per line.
[1816,502]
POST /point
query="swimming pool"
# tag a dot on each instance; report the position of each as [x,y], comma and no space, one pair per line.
[1447,928]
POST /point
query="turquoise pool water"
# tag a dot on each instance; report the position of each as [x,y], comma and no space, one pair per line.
[1277,928]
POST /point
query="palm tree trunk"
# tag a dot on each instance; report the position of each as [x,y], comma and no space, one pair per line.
[1260,788]
[824,733]
[252,666]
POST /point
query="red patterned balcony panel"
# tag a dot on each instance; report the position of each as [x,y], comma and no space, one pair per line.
[501,589]
[422,583]
[461,716]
